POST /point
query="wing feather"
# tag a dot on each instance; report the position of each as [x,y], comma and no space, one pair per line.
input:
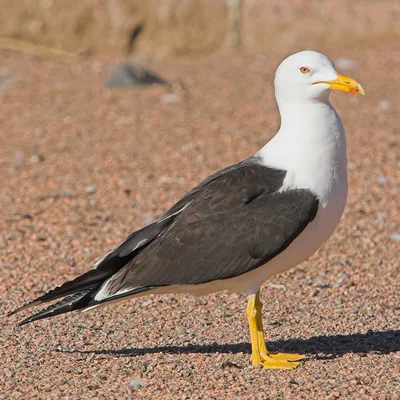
[231,223]
[222,234]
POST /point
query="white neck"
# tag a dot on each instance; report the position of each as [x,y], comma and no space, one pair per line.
[311,147]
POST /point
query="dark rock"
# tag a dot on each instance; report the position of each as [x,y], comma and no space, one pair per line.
[127,75]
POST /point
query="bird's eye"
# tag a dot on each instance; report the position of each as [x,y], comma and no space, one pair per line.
[304,70]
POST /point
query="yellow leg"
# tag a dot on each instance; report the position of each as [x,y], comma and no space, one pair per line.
[259,351]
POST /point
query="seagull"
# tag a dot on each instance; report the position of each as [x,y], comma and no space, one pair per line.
[242,224]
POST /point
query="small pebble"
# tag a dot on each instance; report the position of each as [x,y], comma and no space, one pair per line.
[382,180]
[320,283]
[395,237]
[70,261]
[274,322]
[65,192]
[35,158]
[385,105]
[276,286]
[170,98]
[345,64]
[18,157]
[136,382]
[90,189]
[342,279]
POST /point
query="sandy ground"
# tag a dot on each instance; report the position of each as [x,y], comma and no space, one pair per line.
[81,167]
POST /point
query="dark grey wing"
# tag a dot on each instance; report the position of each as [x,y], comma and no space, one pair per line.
[232,226]
[124,253]
[217,230]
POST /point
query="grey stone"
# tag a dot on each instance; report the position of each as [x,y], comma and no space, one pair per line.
[127,75]
[382,180]
[170,98]
[395,237]
[136,382]
[65,192]
[90,189]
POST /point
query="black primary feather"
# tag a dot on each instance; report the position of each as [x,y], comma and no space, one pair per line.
[74,302]
[106,267]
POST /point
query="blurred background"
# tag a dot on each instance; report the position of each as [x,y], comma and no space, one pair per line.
[109,111]
[161,28]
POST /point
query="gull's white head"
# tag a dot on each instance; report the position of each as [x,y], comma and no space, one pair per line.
[310,76]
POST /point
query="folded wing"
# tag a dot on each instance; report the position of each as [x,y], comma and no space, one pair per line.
[232,222]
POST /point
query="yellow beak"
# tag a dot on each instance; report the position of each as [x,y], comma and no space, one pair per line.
[345,84]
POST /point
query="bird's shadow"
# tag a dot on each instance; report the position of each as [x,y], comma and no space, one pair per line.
[323,347]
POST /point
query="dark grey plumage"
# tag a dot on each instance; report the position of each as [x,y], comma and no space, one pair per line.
[231,223]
